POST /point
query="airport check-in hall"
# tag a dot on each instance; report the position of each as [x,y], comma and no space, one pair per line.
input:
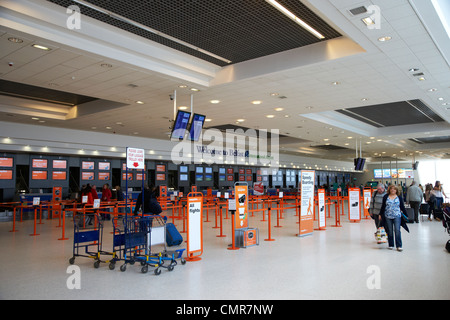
[264,150]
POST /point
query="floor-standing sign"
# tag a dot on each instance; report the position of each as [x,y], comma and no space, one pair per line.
[135,160]
[354,211]
[241,197]
[194,226]
[306,226]
[367,195]
[322,210]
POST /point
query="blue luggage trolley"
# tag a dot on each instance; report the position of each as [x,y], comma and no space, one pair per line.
[88,234]
[130,243]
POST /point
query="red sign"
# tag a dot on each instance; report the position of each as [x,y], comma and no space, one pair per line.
[258,188]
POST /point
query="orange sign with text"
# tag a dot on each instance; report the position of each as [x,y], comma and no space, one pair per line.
[241,198]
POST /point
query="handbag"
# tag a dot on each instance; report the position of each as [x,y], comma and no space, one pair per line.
[381,235]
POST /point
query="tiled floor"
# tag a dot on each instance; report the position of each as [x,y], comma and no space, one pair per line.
[339,263]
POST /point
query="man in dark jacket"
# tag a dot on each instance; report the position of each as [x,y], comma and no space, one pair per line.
[151,204]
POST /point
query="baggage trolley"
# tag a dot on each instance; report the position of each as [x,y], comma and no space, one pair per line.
[130,242]
[157,238]
[88,234]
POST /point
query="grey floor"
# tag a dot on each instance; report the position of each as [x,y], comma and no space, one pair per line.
[339,263]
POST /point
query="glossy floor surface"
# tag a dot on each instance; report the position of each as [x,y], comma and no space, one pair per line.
[338,263]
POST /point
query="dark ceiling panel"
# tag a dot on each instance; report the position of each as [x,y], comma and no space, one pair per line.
[431,140]
[24,91]
[237,30]
[393,114]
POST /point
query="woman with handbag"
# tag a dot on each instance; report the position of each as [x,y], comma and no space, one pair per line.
[391,214]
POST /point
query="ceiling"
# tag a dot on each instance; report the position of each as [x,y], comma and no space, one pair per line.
[302,84]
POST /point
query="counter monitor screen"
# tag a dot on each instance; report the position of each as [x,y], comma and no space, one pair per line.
[180,125]
[196,126]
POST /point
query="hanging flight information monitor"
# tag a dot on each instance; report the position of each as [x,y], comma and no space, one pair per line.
[196,126]
[180,125]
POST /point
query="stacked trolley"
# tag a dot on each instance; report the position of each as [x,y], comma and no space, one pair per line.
[133,240]
[88,234]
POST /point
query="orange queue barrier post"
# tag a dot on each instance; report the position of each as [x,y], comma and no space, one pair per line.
[216,213]
[221,235]
[279,210]
[337,215]
[63,235]
[35,220]
[269,223]
[233,232]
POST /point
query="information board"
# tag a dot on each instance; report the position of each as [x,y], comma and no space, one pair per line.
[307,180]
[354,210]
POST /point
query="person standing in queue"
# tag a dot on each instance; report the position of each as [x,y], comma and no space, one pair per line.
[414,197]
[391,214]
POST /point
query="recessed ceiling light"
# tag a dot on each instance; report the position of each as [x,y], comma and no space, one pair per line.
[208,120]
[34,118]
[368,21]
[422,79]
[274,94]
[335,83]
[195,89]
[183,108]
[441,99]
[279,109]
[139,102]
[364,99]
[38,46]
[93,128]
[109,128]
[214,101]
[413,69]
[384,39]
[15,40]
[326,139]
[256,102]
[432,89]
[349,137]
[286,116]
[270,116]
[182,86]
[290,15]
[240,120]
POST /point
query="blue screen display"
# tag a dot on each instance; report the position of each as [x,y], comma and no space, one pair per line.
[180,125]
[196,127]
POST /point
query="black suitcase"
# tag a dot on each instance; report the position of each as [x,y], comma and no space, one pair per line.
[410,212]
[424,208]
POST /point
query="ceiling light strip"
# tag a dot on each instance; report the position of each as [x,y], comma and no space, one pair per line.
[143,27]
[293,17]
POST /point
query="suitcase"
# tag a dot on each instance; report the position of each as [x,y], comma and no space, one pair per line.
[424,208]
[410,212]
[173,237]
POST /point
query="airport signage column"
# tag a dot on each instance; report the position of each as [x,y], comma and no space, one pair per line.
[354,211]
[322,210]
[194,226]
[307,179]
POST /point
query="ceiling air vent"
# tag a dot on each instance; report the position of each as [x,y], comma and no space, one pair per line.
[358,10]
